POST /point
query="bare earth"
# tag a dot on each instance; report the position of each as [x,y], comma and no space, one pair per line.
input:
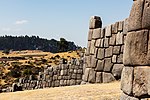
[109,91]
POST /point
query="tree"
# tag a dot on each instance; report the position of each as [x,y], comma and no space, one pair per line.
[63,45]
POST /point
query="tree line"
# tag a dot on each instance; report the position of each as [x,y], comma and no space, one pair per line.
[36,43]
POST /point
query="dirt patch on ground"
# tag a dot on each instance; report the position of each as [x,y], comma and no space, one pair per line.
[109,91]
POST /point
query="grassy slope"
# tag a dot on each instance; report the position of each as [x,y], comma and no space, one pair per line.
[109,91]
[36,55]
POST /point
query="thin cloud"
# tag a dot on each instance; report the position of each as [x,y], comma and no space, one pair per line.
[20,22]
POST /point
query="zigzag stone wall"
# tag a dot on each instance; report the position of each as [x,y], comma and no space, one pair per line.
[67,73]
[135,81]
[61,75]
[104,55]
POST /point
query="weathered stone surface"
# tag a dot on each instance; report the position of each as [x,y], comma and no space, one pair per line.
[96,52]
[120,59]
[135,18]
[86,74]
[102,43]
[127,80]
[108,31]
[92,47]
[95,22]
[90,34]
[94,62]
[92,76]
[99,77]
[108,77]
[116,50]
[88,60]
[72,82]
[108,65]
[109,51]
[119,38]
[112,40]
[146,15]
[101,53]
[88,48]
[140,82]
[126,97]
[122,49]
[96,33]
[106,42]
[114,58]
[79,76]
[120,27]
[103,32]
[98,43]
[136,48]
[125,26]
[100,65]
[117,70]
[115,27]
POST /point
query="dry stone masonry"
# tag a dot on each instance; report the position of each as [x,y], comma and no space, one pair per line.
[104,54]
[135,81]
[61,75]
[67,73]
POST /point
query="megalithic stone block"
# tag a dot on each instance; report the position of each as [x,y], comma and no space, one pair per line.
[90,34]
[93,62]
[117,70]
[136,48]
[135,18]
[112,40]
[92,47]
[96,33]
[125,26]
[98,43]
[116,50]
[99,77]
[119,38]
[141,80]
[88,60]
[109,51]
[95,22]
[106,42]
[101,53]
[108,31]
[86,74]
[108,65]
[108,77]
[120,27]
[115,28]
[100,65]
[127,80]
[146,15]
[92,76]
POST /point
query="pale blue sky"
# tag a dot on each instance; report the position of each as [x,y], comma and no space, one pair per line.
[58,18]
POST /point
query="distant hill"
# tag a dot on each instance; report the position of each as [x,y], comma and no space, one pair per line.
[36,43]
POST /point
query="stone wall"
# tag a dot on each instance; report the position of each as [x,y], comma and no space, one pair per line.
[67,73]
[104,54]
[135,81]
[61,75]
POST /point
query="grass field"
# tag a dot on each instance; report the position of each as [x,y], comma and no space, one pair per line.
[108,91]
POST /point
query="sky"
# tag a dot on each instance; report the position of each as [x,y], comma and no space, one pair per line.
[58,18]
